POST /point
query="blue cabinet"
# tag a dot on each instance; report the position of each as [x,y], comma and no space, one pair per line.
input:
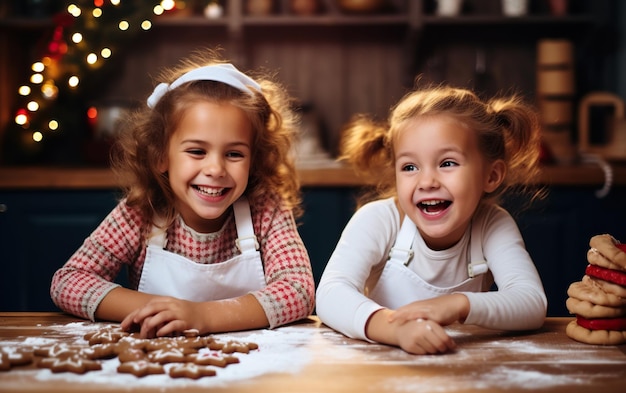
[557,231]
[326,213]
[39,231]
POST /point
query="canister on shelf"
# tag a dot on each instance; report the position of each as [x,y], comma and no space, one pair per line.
[555,97]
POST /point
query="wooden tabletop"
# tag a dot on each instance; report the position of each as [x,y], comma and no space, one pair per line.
[309,357]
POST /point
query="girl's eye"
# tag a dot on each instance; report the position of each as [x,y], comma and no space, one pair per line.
[448,164]
[409,168]
[234,154]
[195,152]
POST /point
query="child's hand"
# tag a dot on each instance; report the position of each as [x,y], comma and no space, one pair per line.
[162,316]
[423,337]
[444,310]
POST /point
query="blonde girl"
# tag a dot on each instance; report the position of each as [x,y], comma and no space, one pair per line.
[206,228]
[426,251]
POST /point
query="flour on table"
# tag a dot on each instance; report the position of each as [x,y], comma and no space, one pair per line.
[280,350]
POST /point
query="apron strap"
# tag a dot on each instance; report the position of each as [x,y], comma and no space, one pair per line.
[247,241]
[402,250]
[477,262]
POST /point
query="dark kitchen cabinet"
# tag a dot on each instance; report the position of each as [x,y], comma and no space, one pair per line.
[39,231]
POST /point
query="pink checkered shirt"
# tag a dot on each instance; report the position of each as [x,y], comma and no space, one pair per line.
[119,241]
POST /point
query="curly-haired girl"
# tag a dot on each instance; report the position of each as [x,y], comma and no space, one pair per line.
[207,225]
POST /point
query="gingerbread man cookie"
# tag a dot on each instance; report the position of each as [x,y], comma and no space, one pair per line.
[191,370]
[140,368]
[73,364]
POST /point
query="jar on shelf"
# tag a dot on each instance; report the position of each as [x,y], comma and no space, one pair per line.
[304,7]
[555,97]
[259,7]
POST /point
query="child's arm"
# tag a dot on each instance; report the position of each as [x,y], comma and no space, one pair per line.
[520,301]
[363,247]
[444,310]
[163,315]
[290,291]
[417,336]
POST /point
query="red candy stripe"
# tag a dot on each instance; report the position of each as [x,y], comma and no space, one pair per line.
[610,275]
[602,323]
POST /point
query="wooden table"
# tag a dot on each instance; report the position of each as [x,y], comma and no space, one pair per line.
[309,357]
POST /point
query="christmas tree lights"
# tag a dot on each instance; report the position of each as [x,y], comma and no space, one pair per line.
[86,35]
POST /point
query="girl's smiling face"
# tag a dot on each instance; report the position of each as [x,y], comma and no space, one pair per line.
[208,162]
[441,176]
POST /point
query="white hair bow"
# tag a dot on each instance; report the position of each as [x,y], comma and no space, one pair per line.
[225,73]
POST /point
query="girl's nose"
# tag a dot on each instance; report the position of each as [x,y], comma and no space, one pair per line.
[427,180]
[214,166]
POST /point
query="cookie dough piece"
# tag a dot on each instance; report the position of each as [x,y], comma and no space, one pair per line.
[594,294]
[587,309]
[596,337]
[606,286]
[606,253]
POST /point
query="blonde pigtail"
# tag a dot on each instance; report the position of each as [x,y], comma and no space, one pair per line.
[522,141]
[365,146]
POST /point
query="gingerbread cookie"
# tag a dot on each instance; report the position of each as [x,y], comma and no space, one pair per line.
[106,336]
[15,357]
[132,355]
[235,346]
[59,350]
[594,294]
[73,364]
[191,370]
[129,342]
[607,247]
[587,309]
[5,365]
[166,355]
[140,368]
[212,358]
[597,337]
[99,351]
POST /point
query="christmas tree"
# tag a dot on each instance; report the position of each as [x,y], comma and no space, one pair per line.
[52,122]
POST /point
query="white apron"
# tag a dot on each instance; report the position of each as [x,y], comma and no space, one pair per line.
[169,274]
[399,285]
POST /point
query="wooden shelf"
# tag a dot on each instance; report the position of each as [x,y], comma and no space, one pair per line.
[23,178]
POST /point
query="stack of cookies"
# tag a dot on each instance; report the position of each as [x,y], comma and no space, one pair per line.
[599,300]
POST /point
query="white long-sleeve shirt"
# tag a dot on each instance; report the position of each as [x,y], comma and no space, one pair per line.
[360,256]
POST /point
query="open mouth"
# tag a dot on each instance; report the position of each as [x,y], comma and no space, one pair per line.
[208,191]
[433,206]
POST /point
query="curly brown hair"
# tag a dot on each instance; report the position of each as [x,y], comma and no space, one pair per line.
[507,129]
[145,133]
